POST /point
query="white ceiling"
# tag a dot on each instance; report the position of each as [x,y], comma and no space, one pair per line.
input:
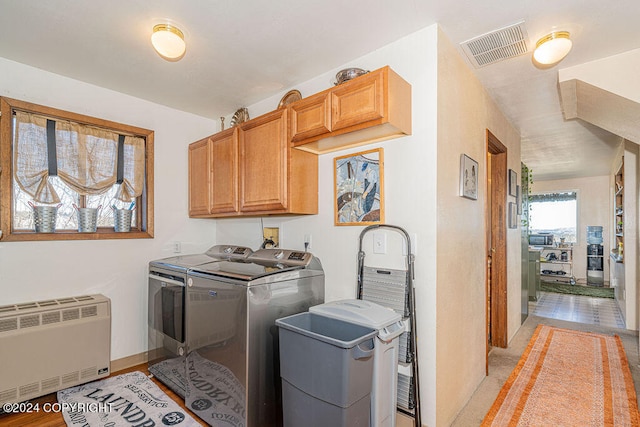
[240,52]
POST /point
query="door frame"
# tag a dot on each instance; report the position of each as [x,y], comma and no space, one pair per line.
[496,232]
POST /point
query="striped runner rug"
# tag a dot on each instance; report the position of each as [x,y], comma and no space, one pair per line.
[568,378]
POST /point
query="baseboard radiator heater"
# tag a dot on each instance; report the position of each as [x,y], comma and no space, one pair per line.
[46,346]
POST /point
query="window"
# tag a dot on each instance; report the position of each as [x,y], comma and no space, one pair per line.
[62,166]
[554,213]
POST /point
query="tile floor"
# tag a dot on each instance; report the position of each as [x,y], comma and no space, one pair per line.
[578,308]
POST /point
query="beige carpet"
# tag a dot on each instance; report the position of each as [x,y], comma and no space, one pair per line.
[568,377]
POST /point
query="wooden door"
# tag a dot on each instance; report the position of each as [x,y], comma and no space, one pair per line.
[496,242]
[264,163]
[311,117]
[224,171]
[199,178]
[358,102]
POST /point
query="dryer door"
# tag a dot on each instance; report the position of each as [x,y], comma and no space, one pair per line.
[167,329]
[166,305]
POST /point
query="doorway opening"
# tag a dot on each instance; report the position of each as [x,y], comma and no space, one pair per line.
[496,237]
[573,283]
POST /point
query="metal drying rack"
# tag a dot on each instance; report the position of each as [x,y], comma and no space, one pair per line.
[394,289]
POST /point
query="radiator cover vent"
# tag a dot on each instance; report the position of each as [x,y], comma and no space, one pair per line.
[51,383]
[8,325]
[73,314]
[46,303]
[497,45]
[49,318]
[49,345]
[89,311]
[29,321]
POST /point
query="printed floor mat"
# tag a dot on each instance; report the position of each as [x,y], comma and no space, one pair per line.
[124,400]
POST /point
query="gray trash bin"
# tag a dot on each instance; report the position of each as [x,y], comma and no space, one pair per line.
[389,327]
[326,367]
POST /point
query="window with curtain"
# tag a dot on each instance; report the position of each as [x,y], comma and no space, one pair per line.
[555,213]
[70,162]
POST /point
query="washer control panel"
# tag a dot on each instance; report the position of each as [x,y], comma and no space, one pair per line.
[229,252]
[286,257]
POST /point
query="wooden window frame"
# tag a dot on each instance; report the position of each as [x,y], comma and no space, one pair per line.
[144,215]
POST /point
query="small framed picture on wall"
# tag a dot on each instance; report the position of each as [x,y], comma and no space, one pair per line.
[513,183]
[468,177]
[513,215]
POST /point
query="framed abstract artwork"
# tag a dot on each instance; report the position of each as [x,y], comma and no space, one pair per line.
[359,188]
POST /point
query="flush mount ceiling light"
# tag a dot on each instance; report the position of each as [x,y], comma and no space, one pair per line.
[552,48]
[168,41]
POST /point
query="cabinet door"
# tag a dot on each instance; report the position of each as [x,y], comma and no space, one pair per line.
[224,171]
[199,178]
[264,163]
[358,102]
[310,117]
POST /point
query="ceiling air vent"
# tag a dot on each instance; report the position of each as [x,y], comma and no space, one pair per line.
[495,46]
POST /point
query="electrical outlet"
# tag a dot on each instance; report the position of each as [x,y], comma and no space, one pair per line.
[307,241]
[271,237]
[379,243]
[177,247]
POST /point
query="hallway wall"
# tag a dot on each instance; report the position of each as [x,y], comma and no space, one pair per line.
[465,112]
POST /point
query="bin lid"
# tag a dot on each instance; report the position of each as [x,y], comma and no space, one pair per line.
[332,331]
[360,312]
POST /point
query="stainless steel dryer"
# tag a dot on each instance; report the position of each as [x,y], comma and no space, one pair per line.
[166,302]
[231,374]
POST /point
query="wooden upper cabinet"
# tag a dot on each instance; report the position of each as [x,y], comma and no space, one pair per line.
[213,174]
[263,163]
[269,165]
[311,117]
[359,102]
[224,171]
[252,169]
[370,108]
[199,178]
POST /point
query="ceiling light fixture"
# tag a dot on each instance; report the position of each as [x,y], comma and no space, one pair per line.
[552,48]
[168,41]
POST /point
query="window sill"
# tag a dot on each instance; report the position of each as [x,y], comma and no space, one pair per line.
[101,234]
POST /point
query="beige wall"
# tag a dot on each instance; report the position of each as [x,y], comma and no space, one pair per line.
[32,271]
[594,208]
[465,112]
